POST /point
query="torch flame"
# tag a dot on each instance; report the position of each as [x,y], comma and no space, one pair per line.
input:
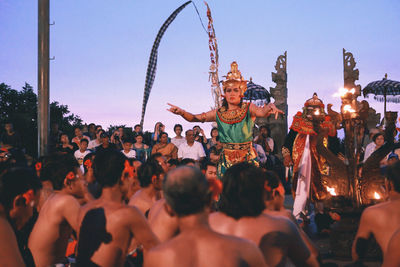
[331,190]
[348,108]
[343,91]
[377,196]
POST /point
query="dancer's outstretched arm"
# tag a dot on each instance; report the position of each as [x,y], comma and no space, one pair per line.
[265,111]
[203,117]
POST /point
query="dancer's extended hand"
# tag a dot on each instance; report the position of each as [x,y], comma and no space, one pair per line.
[274,110]
[176,110]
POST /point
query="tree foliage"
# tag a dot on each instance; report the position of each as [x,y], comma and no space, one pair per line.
[20,108]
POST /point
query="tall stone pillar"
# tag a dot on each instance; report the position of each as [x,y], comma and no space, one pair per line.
[279,127]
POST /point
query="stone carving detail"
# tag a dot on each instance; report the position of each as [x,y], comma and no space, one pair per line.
[279,127]
[350,73]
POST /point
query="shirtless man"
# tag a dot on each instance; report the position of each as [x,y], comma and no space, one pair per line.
[241,207]
[187,196]
[150,175]
[19,195]
[107,225]
[9,253]
[392,258]
[59,214]
[136,184]
[210,170]
[166,226]
[380,220]
[275,197]
[161,160]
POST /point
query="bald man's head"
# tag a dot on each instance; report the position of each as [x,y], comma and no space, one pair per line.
[186,191]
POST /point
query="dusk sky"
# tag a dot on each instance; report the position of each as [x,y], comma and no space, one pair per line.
[101,51]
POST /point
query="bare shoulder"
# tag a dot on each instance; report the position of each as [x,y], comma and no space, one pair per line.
[371,212]
[217,219]
[135,198]
[129,211]
[161,255]
[246,248]
[61,202]
[278,223]
[216,216]
[156,208]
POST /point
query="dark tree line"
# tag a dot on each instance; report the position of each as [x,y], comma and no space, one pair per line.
[20,108]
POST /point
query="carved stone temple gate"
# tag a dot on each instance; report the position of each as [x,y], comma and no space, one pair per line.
[278,128]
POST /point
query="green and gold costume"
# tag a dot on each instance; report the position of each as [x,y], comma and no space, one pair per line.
[235,130]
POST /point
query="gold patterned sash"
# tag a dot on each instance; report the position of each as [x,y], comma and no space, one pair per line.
[237,146]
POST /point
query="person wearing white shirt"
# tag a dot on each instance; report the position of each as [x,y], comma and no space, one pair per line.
[191,149]
[178,139]
[377,141]
[82,152]
[96,142]
[128,151]
[260,153]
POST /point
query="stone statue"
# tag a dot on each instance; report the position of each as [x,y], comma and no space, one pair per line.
[279,127]
[350,73]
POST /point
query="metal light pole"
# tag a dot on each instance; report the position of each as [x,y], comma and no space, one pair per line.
[43,119]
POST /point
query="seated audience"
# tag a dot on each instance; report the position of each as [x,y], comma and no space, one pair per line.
[92,131]
[79,136]
[96,142]
[377,141]
[213,140]
[168,150]
[128,151]
[188,197]
[261,157]
[199,135]
[65,147]
[215,151]
[82,152]
[142,150]
[10,139]
[178,139]
[158,128]
[264,140]
[105,146]
[137,129]
[191,149]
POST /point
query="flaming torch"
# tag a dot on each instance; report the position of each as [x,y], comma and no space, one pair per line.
[331,191]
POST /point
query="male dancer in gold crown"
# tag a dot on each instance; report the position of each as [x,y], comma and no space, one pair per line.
[299,151]
[235,120]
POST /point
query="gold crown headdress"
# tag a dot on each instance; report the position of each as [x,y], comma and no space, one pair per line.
[314,101]
[235,77]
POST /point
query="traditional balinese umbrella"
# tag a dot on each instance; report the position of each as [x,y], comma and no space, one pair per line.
[384,90]
[256,94]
